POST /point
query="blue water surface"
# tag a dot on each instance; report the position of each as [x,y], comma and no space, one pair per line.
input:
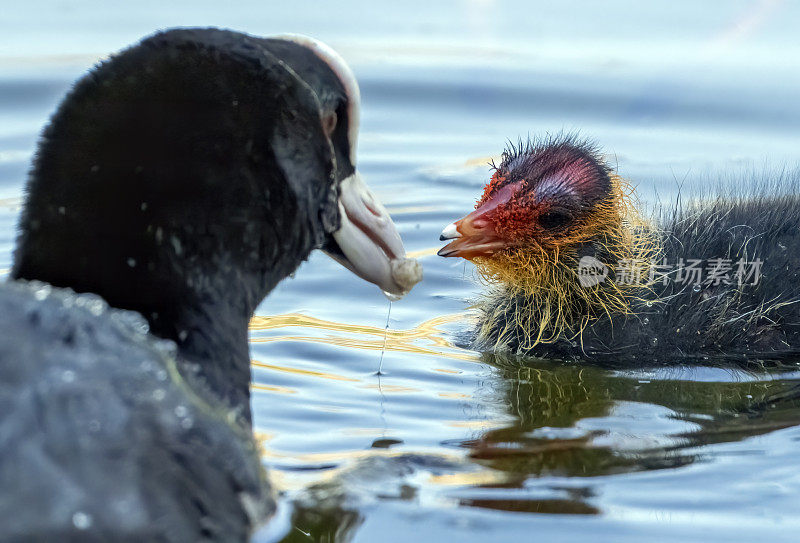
[450,444]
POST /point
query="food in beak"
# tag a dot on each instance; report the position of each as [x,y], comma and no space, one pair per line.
[368,244]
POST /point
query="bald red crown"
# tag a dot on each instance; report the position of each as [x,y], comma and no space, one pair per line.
[539,193]
[544,186]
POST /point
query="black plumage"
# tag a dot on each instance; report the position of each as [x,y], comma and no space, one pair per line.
[167,176]
[102,440]
[182,179]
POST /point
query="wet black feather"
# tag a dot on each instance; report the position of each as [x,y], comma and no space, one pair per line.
[183,179]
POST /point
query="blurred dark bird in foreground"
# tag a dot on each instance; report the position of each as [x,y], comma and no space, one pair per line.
[178,182]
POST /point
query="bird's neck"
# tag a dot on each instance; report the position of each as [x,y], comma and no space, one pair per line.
[542,296]
[198,289]
[213,351]
[546,303]
[208,310]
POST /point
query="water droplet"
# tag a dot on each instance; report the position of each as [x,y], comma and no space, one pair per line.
[161,375]
[81,520]
[131,262]
[159,394]
[182,335]
[654,341]
[94,426]
[696,288]
[166,347]
[68,376]
[181,411]
[645,321]
[95,306]
[649,303]
[62,210]
[143,207]
[187,423]
[42,292]
[749,396]
[132,320]
[176,245]
[392,297]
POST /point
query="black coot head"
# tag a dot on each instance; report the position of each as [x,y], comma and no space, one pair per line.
[365,240]
[197,169]
[187,175]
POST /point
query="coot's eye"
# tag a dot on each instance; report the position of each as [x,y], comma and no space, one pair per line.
[552,220]
[329,123]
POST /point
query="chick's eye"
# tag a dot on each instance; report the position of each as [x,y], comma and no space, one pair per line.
[329,123]
[554,219]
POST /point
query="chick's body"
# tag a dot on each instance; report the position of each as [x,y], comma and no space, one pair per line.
[576,272]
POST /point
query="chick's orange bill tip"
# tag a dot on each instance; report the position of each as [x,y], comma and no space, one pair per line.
[472,236]
[477,234]
[473,246]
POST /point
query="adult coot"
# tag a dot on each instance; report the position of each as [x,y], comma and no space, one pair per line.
[178,182]
[577,272]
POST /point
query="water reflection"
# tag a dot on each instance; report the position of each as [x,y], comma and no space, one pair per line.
[568,427]
[583,421]
[426,338]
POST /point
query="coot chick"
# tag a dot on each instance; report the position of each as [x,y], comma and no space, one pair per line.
[181,179]
[576,271]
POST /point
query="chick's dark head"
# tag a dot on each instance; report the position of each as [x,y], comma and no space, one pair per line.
[542,196]
[550,208]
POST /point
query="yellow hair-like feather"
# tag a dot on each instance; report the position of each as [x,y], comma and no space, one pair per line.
[537,296]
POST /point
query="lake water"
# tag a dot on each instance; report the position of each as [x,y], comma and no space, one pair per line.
[450,444]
